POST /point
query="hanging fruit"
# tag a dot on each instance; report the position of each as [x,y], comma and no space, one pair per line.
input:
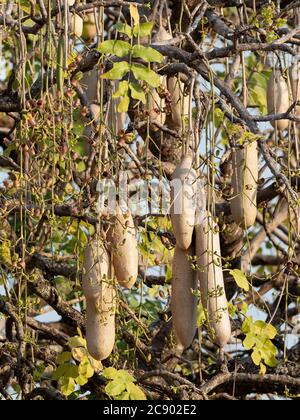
[211,281]
[122,243]
[184,297]
[244,183]
[278,98]
[183,202]
[100,294]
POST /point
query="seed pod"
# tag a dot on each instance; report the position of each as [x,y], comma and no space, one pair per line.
[211,281]
[183,202]
[156,103]
[278,98]
[100,293]
[244,182]
[123,246]
[184,300]
[179,104]
[76,25]
[294,74]
[60,65]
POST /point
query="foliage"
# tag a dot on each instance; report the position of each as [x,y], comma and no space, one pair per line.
[60,136]
[121,385]
[141,73]
[75,367]
[258,338]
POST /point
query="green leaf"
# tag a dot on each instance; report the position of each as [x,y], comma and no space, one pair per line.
[125,376]
[124,29]
[246,327]
[5,254]
[115,47]
[77,342]
[143,73]
[124,104]
[135,393]
[60,371]
[262,369]
[71,371]
[270,360]
[67,386]
[122,89]
[264,329]
[123,397]
[96,364]
[110,373]
[148,54]
[79,353]
[201,318]
[81,380]
[256,357]
[137,92]
[85,368]
[143,29]
[115,388]
[64,357]
[249,341]
[134,13]
[118,71]
[240,279]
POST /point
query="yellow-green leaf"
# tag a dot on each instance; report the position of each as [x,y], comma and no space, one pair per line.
[67,386]
[79,353]
[143,73]
[135,392]
[137,92]
[122,89]
[110,373]
[5,254]
[118,71]
[124,104]
[115,47]
[148,54]
[240,279]
[143,29]
[134,14]
[64,357]
[262,369]
[114,388]
[81,380]
[124,29]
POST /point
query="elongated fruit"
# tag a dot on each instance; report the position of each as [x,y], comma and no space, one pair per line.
[100,293]
[294,74]
[60,65]
[179,104]
[184,297]
[183,202]
[76,25]
[156,103]
[211,281]
[123,246]
[278,98]
[244,182]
